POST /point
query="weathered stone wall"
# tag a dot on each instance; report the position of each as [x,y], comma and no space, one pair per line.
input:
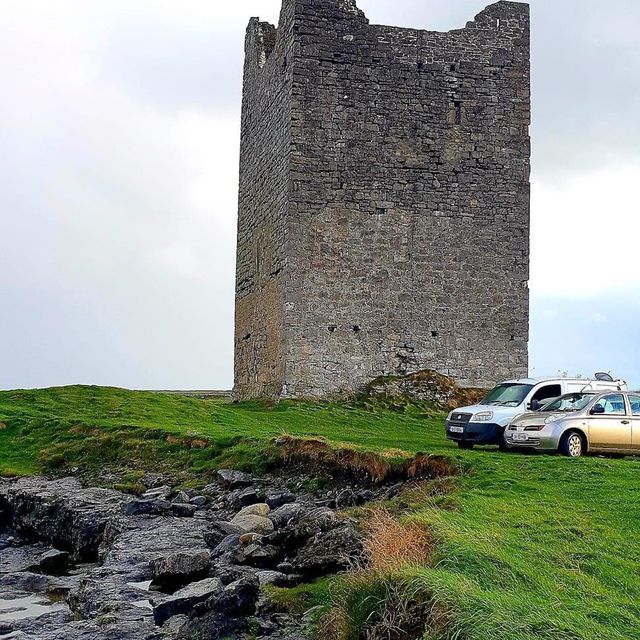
[407,208]
[263,206]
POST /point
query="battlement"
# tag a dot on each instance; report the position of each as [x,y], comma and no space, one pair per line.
[384,200]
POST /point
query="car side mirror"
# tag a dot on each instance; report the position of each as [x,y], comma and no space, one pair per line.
[597,410]
[534,405]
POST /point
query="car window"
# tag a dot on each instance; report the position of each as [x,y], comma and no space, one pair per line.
[570,402]
[507,394]
[548,392]
[613,404]
[634,401]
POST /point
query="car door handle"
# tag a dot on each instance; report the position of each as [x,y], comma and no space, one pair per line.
[626,422]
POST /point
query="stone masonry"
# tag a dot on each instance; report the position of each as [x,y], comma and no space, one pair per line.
[384,201]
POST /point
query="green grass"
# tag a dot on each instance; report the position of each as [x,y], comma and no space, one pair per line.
[529,546]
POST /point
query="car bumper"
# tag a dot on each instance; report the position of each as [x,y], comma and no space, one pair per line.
[475,432]
[535,440]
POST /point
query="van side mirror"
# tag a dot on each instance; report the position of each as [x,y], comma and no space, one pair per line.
[534,405]
[597,410]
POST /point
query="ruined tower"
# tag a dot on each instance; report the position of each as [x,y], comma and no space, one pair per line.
[384,201]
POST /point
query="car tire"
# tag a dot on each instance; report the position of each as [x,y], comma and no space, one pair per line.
[466,445]
[572,445]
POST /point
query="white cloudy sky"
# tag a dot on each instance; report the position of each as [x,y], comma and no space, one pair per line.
[119,130]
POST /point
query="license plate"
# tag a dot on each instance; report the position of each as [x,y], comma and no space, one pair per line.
[520,437]
[456,429]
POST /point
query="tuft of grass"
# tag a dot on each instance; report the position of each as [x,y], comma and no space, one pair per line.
[392,544]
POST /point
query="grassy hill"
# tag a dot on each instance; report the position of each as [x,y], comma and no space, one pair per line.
[524,546]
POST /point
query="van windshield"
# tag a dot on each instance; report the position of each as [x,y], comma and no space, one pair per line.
[569,402]
[507,394]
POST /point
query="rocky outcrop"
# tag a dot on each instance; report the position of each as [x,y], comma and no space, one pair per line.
[60,512]
[428,387]
[163,573]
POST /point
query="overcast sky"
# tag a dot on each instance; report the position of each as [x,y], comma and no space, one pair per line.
[119,134]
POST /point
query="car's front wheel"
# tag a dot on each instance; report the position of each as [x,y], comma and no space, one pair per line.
[572,445]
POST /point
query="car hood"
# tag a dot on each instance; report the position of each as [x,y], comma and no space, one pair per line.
[534,418]
[499,413]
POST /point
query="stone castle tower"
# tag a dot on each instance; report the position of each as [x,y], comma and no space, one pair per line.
[384,201]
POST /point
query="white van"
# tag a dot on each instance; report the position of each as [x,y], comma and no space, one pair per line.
[486,422]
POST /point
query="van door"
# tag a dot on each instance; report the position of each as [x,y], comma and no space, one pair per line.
[610,429]
[634,402]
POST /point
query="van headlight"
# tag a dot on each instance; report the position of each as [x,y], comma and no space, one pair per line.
[483,416]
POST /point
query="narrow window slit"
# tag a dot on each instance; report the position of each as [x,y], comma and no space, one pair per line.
[458,107]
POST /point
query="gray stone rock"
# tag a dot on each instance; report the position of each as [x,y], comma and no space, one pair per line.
[330,551]
[255,510]
[253,523]
[157,492]
[229,543]
[60,512]
[258,555]
[284,514]
[183,510]
[182,601]
[147,506]
[347,498]
[272,577]
[181,564]
[54,562]
[181,498]
[232,479]
[198,501]
[277,498]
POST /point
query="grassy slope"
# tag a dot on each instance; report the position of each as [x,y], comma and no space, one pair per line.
[537,546]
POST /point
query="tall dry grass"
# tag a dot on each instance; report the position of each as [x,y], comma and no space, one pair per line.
[392,544]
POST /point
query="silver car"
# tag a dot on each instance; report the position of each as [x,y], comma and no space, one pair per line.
[577,423]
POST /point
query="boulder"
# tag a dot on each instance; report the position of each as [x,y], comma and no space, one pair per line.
[180,565]
[258,555]
[329,551]
[347,498]
[147,506]
[226,615]
[256,510]
[181,498]
[60,512]
[173,626]
[233,479]
[54,562]
[242,498]
[158,492]
[276,498]
[254,522]
[248,538]
[183,510]
[306,523]
[198,501]
[284,514]
[182,601]
[275,578]
[229,543]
